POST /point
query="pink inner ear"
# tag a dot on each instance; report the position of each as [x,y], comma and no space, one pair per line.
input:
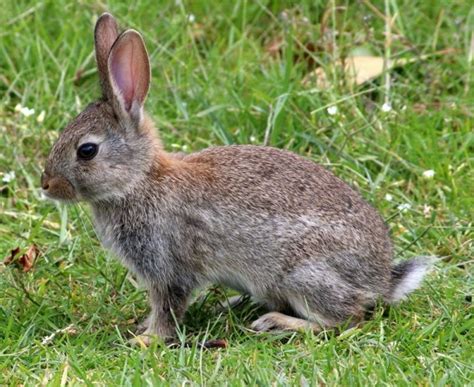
[129,69]
[123,71]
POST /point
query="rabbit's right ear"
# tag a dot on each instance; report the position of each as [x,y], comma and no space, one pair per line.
[129,76]
[105,34]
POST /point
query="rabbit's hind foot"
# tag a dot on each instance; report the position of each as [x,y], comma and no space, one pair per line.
[279,322]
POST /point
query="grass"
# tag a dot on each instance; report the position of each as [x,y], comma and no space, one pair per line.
[215,82]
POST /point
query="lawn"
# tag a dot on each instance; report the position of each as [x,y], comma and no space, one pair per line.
[239,72]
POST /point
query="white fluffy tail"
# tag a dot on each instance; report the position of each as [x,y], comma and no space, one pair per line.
[407,276]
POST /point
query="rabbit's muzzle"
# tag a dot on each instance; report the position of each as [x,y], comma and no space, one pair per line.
[57,187]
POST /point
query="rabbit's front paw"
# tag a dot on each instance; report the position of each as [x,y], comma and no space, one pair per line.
[144,340]
[144,325]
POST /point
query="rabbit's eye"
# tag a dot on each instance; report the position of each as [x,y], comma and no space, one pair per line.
[87,151]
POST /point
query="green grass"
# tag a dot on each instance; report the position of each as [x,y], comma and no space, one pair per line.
[214,83]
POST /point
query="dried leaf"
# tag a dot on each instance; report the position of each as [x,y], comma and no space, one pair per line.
[274,47]
[359,69]
[218,343]
[198,32]
[303,52]
[9,258]
[307,54]
[28,259]
[432,106]
[51,225]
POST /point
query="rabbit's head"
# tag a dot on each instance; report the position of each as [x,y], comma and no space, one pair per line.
[108,147]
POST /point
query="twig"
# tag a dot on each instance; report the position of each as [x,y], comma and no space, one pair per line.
[423,233]
[437,29]
[387,53]
[70,329]
[470,57]
[24,14]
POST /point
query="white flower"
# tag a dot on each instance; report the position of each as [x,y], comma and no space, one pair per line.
[427,210]
[9,176]
[386,107]
[428,174]
[388,197]
[40,117]
[332,110]
[404,207]
[27,111]
[191,18]
[24,110]
[253,139]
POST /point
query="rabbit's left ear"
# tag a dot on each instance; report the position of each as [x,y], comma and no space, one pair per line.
[105,34]
[129,75]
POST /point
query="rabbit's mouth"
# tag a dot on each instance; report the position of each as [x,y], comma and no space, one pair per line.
[58,188]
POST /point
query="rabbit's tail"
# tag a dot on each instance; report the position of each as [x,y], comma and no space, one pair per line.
[407,276]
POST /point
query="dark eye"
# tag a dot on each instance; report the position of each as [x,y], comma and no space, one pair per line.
[87,151]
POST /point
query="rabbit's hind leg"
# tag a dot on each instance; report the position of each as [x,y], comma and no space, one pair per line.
[307,316]
[319,294]
[279,322]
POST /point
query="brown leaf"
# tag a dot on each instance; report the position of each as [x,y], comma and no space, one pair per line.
[359,69]
[274,47]
[198,32]
[78,76]
[28,259]
[218,343]
[432,106]
[303,52]
[9,258]
[307,54]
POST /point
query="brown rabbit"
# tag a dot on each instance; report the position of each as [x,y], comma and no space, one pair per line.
[263,221]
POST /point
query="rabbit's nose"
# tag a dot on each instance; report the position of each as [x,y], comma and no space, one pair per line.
[45,181]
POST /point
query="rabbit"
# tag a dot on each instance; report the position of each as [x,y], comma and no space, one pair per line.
[263,221]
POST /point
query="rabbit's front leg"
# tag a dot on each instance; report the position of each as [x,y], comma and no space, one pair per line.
[168,304]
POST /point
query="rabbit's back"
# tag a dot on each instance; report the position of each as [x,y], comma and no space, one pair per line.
[274,182]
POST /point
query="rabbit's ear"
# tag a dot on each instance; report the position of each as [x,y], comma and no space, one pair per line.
[129,74]
[105,34]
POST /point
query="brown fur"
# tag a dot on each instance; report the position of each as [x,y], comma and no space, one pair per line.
[261,220]
[106,33]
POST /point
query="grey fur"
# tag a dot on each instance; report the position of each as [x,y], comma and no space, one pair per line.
[263,221]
